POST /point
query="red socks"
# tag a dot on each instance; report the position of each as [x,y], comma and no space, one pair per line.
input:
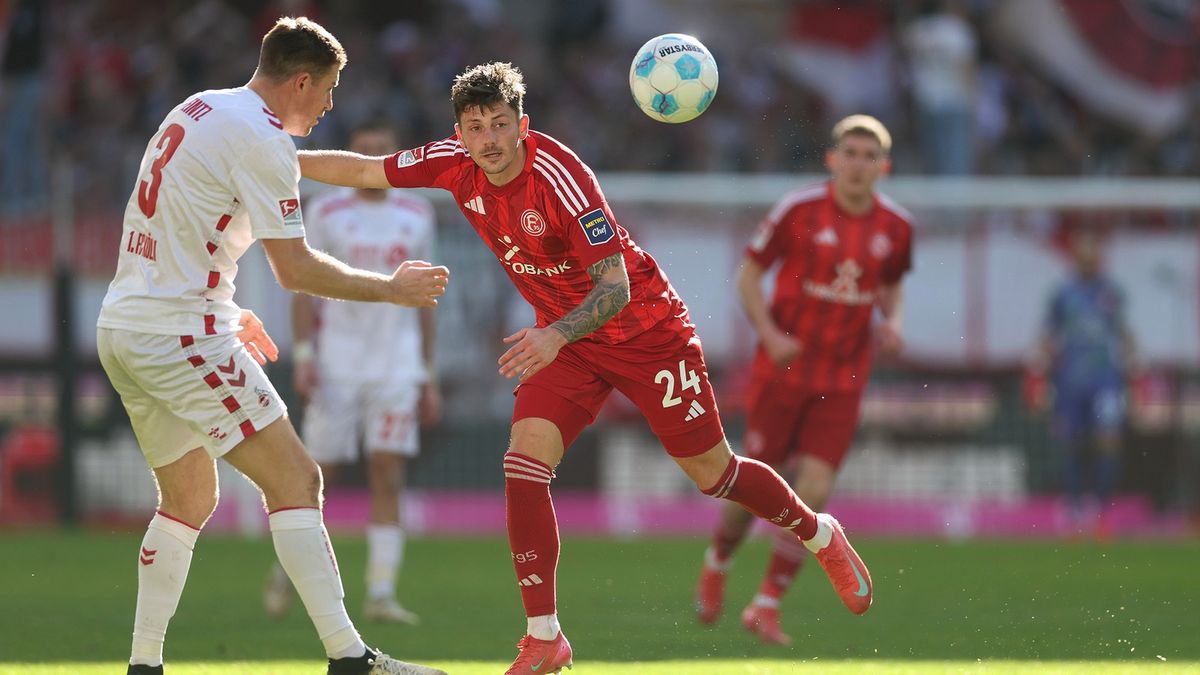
[532,530]
[761,491]
[787,555]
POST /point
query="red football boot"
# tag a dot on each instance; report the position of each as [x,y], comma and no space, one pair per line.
[764,622]
[541,656]
[846,570]
[710,594]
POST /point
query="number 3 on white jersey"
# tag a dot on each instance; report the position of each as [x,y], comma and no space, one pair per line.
[688,379]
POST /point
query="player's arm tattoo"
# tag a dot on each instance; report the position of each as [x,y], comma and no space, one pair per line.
[610,296]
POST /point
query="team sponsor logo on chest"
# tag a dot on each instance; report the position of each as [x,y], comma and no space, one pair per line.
[533,223]
[844,289]
[509,259]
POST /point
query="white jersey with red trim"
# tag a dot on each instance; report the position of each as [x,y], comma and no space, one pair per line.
[219,174]
[369,341]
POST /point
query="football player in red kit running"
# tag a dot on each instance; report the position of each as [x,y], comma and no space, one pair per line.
[606,318]
[842,250]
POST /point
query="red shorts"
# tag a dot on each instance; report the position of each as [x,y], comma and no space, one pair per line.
[783,422]
[662,371]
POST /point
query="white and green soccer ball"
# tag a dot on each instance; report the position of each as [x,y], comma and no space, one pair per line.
[673,78]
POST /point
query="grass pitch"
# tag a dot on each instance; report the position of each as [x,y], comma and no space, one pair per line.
[997,606]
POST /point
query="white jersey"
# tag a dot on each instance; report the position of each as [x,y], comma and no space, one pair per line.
[367,341]
[220,173]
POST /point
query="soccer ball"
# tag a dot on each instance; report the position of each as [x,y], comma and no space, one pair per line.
[673,78]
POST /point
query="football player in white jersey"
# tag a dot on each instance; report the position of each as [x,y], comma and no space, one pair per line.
[366,370]
[220,173]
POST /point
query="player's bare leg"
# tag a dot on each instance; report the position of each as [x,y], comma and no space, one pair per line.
[385,538]
[275,459]
[536,447]
[759,489]
[187,496]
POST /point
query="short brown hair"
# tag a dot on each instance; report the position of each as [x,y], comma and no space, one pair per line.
[299,45]
[863,125]
[487,85]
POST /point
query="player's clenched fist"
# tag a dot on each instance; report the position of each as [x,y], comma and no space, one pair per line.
[416,283]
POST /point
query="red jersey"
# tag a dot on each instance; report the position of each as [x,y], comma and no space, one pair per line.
[546,227]
[832,265]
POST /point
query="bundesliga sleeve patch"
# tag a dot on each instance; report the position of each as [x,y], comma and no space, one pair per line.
[597,228]
[409,157]
[290,210]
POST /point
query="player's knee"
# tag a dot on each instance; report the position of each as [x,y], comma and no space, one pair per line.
[309,481]
[193,508]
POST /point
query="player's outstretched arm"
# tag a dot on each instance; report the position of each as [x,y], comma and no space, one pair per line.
[340,167]
[300,269]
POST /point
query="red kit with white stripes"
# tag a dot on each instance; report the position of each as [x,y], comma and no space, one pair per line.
[831,265]
[546,227]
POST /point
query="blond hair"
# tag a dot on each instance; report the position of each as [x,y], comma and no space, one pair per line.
[863,125]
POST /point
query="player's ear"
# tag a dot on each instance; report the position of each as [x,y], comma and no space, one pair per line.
[301,81]
[885,165]
[523,127]
[829,158]
[457,132]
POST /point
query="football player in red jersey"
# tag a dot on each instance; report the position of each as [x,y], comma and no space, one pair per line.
[842,250]
[606,318]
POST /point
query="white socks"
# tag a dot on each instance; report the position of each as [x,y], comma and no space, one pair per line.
[824,533]
[711,562]
[385,554]
[163,563]
[302,545]
[767,601]
[544,627]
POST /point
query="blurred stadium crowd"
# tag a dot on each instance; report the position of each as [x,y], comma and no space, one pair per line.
[86,81]
[1022,88]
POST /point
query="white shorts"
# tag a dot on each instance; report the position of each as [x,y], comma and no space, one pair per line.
[382,414]
[184,392]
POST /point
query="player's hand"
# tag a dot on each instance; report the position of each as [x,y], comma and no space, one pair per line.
[254,337]
[890,339]
[781,348]
[416,283]
[305,379]
[430,406]
[535,349]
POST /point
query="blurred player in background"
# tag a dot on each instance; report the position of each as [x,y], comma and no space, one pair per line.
[222,172]
[841,250]
[1086,353]
[606,318]
[366,370]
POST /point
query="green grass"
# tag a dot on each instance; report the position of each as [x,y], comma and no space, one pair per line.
[67,603]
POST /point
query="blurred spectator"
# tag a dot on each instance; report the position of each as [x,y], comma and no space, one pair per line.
[787,69]
[24,175]
[942,51]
